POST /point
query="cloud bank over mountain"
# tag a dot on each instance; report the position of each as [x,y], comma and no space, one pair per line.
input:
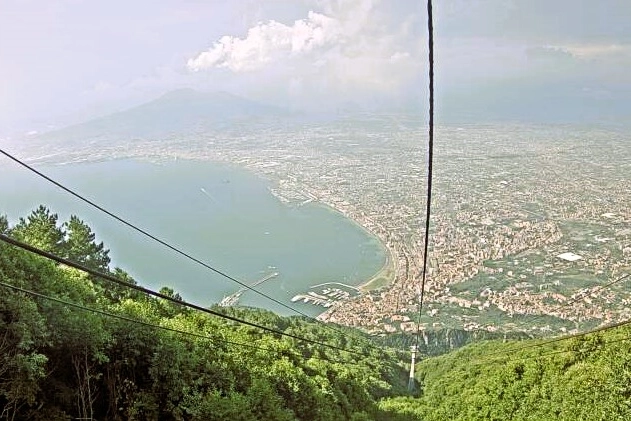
[351,49]
[311,54]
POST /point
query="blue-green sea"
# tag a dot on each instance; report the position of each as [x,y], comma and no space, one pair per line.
[221,214]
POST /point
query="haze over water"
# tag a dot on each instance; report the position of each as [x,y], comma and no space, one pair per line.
[220,214]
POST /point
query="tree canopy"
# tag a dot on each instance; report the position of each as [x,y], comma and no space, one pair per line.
[114,353]
[60,362]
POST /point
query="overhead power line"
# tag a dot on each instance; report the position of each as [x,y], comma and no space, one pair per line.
[160,241]
[596,346]
[568,303]
[511,351]
[115,280]
[161,327]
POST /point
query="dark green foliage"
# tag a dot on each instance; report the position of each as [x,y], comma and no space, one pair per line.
[59,362]
[440,341]
[79,245]
[40,229]
[585,378]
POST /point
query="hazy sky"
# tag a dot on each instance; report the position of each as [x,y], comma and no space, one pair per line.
[64,60]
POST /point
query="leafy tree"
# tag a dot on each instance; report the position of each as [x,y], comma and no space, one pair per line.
[168,308]
[118,293]
[40,230]
[80,245]
[22,330]
[59,362]
[4,224]
[214,406]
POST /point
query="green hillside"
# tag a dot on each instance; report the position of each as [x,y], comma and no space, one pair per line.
[75,347]
[583,378]
[145,358]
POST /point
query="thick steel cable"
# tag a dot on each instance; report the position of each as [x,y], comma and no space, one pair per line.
[162,242]
[430,158]
[165,328]
[115,280]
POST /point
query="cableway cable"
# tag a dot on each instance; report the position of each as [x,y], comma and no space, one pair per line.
[571,336]
[506,359]
[564,351]
[125,318]
[115,280]
[165,328]
[430,158]
[162,242]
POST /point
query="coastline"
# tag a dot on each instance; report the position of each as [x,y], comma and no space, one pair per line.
[386,275]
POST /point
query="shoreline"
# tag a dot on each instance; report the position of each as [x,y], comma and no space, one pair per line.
[388,270]
[387,273]
[384,277]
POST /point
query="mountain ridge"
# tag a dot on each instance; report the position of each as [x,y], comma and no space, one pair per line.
[177,111]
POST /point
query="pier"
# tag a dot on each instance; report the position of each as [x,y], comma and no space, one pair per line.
[233,299]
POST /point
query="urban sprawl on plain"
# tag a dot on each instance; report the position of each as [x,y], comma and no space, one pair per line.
[529,223]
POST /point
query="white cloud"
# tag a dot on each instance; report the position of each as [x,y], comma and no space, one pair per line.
[266,41]
[399,56]
[580,51]
[343,50]
[588,51]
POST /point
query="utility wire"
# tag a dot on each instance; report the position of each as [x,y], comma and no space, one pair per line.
[430,158]
[128,319]
[166,328]
[548,354]
[581,296]
[550,341]
[160,241]
[573,301]
[148,291]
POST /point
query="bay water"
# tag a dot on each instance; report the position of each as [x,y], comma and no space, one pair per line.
[222,214]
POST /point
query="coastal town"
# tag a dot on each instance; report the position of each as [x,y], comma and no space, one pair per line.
[530,225]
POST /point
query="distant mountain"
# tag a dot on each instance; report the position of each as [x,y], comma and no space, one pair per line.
[538,102]
[180,111]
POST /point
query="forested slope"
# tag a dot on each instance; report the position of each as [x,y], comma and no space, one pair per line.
[61,362]
[583,378]
[118,354]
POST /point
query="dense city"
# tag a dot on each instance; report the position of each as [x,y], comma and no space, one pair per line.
[528,224]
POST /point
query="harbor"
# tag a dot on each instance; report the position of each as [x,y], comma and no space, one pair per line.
[327,294]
